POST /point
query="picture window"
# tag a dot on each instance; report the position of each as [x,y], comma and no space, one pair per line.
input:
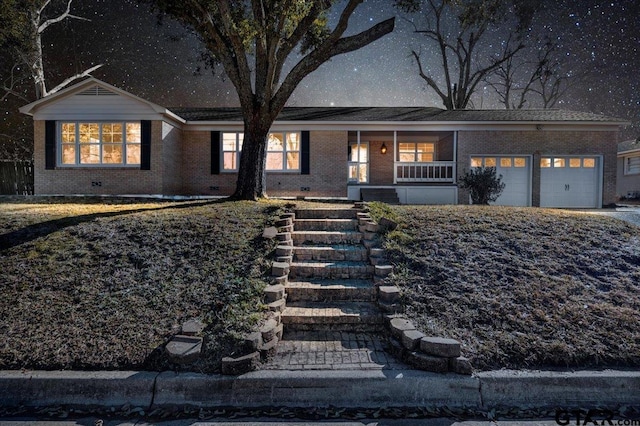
[108,143]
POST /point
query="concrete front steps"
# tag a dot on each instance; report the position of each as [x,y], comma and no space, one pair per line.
[330,282]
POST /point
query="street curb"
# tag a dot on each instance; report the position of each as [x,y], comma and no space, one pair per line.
[565,389]
[76,388]
[316,388]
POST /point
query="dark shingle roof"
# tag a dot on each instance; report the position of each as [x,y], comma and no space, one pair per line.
[630,145]
[381,114]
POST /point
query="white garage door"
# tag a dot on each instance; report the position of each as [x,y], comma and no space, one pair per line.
[569,181]
[516,175]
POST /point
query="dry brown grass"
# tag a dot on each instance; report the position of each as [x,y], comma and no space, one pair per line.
[522,288]
[89,285]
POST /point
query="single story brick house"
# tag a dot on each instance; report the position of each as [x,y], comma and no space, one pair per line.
[93,138]
[628,179]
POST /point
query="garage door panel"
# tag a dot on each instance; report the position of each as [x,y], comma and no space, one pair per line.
[569,181]
[516,175]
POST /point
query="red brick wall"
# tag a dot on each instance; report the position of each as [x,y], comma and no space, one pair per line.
[380,165]
[112,180]
[180,163]
[328,169]
[541,143]
[196,167]
[171,159]
[327,178]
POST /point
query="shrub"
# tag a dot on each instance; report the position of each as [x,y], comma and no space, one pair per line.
[483,184]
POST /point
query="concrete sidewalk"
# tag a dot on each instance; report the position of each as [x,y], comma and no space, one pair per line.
[318,388]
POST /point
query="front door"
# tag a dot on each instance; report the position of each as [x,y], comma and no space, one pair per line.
[359,162]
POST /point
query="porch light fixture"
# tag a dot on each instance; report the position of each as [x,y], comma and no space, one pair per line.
[383,149]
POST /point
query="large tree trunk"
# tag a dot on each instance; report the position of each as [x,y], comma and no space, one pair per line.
[252,180]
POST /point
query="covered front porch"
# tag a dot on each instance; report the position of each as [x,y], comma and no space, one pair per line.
[419,165]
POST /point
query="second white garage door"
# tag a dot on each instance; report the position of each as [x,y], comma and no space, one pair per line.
[568,181]
[516,175]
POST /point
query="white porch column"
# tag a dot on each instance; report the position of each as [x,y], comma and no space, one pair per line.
[455,156]
[395,157]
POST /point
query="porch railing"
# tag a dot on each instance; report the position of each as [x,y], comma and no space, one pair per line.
[436,171]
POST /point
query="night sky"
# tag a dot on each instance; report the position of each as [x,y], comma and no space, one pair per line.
[160,63]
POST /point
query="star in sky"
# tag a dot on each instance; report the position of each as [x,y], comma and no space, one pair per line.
[160,63]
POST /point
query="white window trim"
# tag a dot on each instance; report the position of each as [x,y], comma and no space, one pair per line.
[415,152]
[284,153]
[238,150]
[358,162]
[78,164]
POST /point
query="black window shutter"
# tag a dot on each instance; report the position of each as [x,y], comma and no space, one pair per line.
[145,161]
[50,145]
[304,153]
[215,153]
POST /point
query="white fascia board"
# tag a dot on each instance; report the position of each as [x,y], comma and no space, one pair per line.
[629,152]
[408,126]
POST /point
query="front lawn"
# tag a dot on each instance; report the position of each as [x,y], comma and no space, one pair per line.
[522,288]
[88,285]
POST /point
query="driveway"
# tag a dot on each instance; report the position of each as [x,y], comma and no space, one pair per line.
[629,214]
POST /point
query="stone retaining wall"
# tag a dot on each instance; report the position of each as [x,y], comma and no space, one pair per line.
[262,343]
[436,354]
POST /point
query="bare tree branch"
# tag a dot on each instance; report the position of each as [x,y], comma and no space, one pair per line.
[459,48]
[68,80]
[313,60]
[10,84]
[66,14]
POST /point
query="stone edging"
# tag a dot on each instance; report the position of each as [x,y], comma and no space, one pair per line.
[428,353]
[262,343]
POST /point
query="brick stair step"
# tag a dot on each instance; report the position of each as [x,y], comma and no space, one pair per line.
[336,252]
[325,225]
[330,290]
[326,237]
[348,316]
[346,213]
[331,270]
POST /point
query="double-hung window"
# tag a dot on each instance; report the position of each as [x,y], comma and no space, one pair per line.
[283,151]
[416,152]
[231,148]
[100,143]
